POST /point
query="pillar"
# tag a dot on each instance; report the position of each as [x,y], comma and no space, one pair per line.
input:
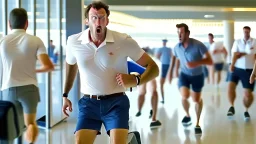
[228,40]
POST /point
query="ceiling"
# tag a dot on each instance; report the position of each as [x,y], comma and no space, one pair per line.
[188,12]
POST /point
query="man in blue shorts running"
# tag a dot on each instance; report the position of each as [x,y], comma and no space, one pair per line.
[192,55]
[164,55]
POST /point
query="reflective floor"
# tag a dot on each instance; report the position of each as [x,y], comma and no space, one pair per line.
[217,128]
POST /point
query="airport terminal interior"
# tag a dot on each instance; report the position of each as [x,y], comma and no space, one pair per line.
[147,22]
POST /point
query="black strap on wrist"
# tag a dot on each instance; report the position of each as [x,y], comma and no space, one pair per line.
[138,79]
[65,95]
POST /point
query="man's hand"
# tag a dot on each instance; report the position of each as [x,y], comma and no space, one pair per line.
[192,64]
[231,68]
[67,105]
[252,77]
[126,80]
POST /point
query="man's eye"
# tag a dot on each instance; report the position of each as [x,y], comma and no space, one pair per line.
[94,17]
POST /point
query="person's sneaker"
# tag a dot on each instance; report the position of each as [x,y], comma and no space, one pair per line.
[138,114]
[186,121]
[231,111]
[150,113]
[155,124]
[198,130]
[246,116]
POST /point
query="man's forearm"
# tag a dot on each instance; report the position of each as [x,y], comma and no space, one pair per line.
[205,61]
[254,67]
[151,72]
[234,58]
[172,65]
[177,66]
[71,71]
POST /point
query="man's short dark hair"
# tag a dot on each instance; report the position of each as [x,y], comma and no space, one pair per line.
[183,25]
[97,5]
[18,18]
[210,34]
[247,27]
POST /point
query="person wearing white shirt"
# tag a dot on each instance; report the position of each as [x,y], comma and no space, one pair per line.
[19,52]
[241,67]
[101,55]
[218,54]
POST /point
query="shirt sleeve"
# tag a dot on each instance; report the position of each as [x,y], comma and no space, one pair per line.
[132,49]
[234,47]
[70,58]
[203,49]
[175,51]
[159,51]
[41,49]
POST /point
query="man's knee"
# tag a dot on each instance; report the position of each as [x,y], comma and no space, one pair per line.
[196,96]
[154,94]
[85,136]
[248,93]
[231,87]
[184,93]
[118,136]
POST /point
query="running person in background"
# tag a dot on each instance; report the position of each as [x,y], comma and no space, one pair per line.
[19,53]
[164,54]
[192,55]
[218,53]
[152,88]
[241,68]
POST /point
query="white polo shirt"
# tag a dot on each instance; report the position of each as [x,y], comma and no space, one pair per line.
[248,47]
[218,57]
[19,52]
[98,67]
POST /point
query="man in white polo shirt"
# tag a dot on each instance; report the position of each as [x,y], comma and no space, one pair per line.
[218,53]
[19,52]
[101,56]
[243,58]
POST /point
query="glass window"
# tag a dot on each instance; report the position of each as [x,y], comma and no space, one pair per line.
[54,53]
[27,5]
[41,32]
[11,5]
[1,18]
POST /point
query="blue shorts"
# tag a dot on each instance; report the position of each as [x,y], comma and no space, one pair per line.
[218,66]
[164,70]
[197,82]
[112,112]
[243,75]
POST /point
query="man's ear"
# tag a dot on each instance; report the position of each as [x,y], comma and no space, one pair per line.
[86,21]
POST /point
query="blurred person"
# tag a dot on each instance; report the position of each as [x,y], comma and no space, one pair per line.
[100,55]
[19,52]
[218,53]
[192,55]
[241,68]
[164,54]
[152,88]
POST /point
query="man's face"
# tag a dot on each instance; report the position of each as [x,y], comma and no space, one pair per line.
[182,34]
[246,33]
[164,43]
[210,38]
[97,21]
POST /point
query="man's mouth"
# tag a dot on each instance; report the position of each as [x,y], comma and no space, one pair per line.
[98,29]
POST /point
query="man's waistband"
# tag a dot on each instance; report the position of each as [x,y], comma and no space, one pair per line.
[102,97]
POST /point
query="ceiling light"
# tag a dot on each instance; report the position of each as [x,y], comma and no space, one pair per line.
[209,16]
